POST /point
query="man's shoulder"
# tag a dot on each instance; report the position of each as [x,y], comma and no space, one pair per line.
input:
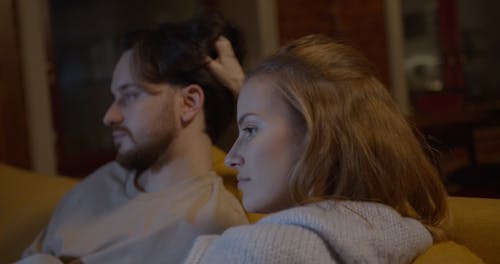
[221,208]
[108,176]
[111,169]
[97,188]
[226,196]
[108,173]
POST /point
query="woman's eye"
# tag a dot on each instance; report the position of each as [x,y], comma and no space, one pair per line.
[249,131]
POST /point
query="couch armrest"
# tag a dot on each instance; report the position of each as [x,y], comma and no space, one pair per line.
[475,223]
[27,200]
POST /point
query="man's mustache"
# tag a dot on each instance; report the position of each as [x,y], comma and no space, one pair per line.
[121,128]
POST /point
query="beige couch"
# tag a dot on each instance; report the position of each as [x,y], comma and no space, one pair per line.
[27,200]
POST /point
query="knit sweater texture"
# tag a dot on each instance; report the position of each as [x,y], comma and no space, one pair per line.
[325,232]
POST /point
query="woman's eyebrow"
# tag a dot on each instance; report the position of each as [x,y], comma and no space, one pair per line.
[242,118]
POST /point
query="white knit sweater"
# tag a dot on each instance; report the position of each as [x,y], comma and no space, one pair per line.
[326,232]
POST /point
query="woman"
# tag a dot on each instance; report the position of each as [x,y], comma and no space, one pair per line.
[324,148]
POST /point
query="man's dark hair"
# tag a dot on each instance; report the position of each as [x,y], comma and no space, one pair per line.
[175,53]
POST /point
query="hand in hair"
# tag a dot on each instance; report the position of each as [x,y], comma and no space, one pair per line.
[226,67]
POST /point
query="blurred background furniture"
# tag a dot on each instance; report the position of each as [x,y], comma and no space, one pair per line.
[438,58]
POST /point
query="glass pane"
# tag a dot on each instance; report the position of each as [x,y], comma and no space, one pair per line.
[422,49]
[478,23]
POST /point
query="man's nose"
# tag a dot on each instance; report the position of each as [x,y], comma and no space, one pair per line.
[113,116]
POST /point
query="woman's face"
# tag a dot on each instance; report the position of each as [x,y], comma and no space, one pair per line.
[268,146]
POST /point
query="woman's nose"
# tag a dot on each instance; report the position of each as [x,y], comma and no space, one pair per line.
[233,158]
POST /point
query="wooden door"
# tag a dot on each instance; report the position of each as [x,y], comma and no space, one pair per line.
[14,140]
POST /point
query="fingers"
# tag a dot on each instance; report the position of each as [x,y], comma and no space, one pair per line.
[214,66]
[226,67]
[224,48]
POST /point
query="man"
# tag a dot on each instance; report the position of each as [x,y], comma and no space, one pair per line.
[160,194]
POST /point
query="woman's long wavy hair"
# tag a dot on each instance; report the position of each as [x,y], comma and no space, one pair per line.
[360,146]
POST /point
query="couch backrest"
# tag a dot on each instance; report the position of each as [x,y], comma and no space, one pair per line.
[475,223]
[27,200]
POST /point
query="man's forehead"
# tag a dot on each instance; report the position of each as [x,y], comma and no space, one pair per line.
[123,74]
[124,77]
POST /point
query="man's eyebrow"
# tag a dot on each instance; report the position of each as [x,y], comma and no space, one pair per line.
[242,118]
[124,87]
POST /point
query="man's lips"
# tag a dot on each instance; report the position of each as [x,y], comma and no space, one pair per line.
[118,136]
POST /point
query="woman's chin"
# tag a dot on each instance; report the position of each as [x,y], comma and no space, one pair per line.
[258,208]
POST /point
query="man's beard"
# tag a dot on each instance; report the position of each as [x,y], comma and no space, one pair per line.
[146,154]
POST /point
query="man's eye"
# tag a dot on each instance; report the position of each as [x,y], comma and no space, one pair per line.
[129,97]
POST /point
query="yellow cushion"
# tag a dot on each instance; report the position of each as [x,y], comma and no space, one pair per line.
[448,252]
[475,223]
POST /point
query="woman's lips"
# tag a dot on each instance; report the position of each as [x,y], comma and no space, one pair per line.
[242,181]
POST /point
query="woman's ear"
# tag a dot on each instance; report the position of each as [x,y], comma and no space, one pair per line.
[193,100]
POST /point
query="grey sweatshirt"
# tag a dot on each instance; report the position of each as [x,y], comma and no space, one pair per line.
[106,219]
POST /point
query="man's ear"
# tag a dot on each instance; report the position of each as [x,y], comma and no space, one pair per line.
[193,99]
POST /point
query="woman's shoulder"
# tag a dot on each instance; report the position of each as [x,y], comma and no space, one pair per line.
[327,211]
[351,227]
[324,232]
[261,243]
[363,213]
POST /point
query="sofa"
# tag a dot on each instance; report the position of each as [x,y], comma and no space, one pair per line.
[27,200]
